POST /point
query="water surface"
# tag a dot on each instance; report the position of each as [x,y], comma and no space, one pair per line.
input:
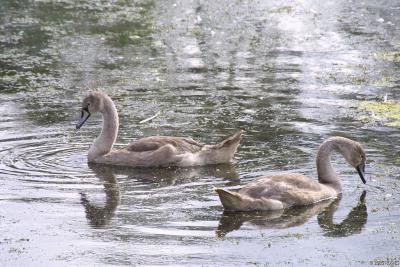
[289,73]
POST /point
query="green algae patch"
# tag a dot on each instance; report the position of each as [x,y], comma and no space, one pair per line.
[386,81]
[387,55]
[283,9]
[386,112]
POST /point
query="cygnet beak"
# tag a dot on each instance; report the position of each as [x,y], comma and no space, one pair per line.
[361,171]
[84,117]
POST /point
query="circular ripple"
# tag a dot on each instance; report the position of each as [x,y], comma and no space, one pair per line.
[38,158]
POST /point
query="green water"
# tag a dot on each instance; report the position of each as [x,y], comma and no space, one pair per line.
[289,73]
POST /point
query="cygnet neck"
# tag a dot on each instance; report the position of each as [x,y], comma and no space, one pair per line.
[326,173]
[105,141]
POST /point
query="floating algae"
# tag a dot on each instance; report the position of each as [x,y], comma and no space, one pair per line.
[386,112]
[387,55]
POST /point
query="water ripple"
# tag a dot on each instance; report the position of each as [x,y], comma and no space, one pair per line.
[42,159]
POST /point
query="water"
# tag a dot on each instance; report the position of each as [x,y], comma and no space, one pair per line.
[289,73]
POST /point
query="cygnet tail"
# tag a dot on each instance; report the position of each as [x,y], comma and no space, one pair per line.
[230,200]
[232,142]
[222,152]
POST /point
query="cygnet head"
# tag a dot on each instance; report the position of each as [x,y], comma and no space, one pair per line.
[354,153]
[92,103]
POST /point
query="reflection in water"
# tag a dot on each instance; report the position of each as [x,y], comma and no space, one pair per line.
[173,175]
[353,223]
[101,216]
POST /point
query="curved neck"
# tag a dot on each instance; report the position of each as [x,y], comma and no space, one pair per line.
[105,141]
[326,173]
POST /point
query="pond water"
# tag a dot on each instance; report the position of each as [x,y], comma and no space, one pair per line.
[289,73]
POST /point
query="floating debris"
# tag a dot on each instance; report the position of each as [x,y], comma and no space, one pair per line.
[150,118]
